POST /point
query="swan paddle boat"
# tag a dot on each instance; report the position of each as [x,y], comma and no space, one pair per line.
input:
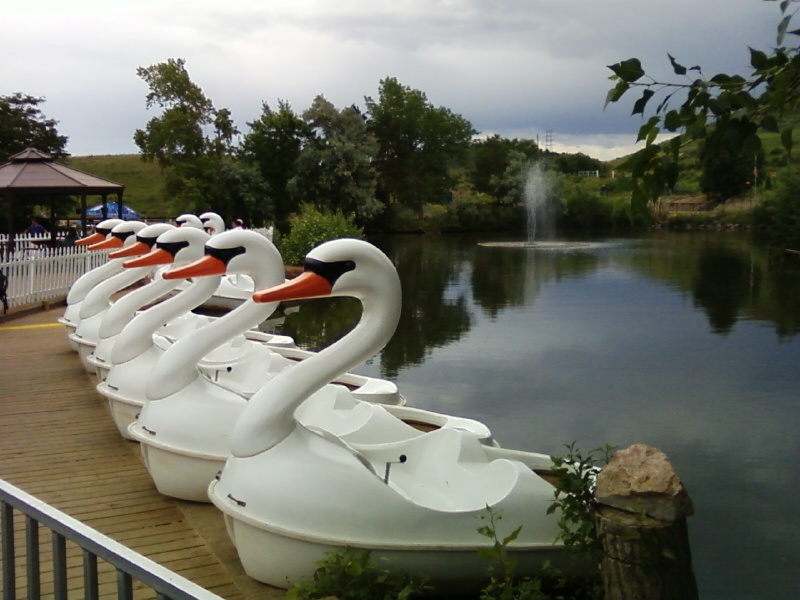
[235,288]
[189,220]
[291,492]
[123,310]
[184,425]
[98,300]
[84,284]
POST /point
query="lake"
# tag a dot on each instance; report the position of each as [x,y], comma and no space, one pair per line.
[688,342]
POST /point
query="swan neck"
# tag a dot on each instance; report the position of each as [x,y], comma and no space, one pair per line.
[177,368]
[86,282]
[124,310]
[269,415]
[137,336]
[98,298]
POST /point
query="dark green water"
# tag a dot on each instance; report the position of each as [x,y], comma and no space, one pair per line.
[686,342]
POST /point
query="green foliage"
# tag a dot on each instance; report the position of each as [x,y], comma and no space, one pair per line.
[780,213]
[724,114]
[312,227]
[274,144]
[351,575]
[502,584]
[491,157]
[571,164]
[574,499]
[583,206]
[23,125]
[418,145]
[196,164]
[334,168]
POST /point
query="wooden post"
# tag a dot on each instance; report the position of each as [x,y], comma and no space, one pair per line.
[641,523]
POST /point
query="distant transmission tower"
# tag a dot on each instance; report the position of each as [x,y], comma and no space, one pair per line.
[548,140]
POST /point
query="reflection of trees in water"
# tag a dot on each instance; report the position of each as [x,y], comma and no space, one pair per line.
[440,275]
[322,321]
[724,283]
[510,277]
[435,311]
[784,301]
[728,275]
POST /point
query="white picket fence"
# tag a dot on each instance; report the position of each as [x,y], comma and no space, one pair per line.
[36,273]
[46,274]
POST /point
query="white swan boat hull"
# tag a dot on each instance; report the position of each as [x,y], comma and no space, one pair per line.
[427,528]
[283,558]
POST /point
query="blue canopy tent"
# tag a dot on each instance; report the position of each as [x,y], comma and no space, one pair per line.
[112,210]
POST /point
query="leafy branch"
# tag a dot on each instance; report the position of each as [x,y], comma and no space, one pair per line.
[724,111]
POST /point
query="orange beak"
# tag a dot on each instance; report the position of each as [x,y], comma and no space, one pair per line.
[305,285]
[109,243]
[135,250]
[208,265]
[156,257]
[90,239]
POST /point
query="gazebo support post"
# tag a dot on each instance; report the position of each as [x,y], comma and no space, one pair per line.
[10,217]
[83,215]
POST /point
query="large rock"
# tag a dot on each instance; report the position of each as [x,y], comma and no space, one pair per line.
[641,479]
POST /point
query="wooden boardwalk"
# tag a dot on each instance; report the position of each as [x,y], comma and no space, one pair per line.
[58,443]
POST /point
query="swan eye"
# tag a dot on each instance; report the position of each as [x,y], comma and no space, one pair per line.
[225,254]
[329,270]
[172,247]
[123,235]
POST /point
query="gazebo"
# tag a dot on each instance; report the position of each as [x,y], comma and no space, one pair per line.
[33,173]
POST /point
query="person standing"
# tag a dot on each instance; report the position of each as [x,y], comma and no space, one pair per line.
[35,228]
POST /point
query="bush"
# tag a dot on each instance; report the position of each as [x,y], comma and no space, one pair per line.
[780,213]
[312,227]
[351,575]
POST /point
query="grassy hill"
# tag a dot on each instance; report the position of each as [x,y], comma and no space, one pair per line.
[143,181]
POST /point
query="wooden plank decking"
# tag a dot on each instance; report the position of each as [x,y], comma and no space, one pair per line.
[58,443]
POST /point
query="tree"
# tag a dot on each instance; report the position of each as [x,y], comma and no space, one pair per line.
[177,140]
[419,143]
[334,169]
[23,125]
[491,157]
[724,112]
[273,145]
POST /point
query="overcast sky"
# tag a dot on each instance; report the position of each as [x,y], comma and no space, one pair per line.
[518,68]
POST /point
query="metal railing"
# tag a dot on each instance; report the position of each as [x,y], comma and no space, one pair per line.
[126,566]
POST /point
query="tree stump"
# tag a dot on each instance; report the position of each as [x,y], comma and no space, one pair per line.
[641,523]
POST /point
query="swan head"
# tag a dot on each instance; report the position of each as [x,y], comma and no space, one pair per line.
[145,240]
[122,235]
[343,267]
[213,223]
[101,232]
[189,220]
[233,252]
[177,245]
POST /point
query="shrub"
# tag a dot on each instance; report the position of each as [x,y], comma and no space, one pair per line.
[351,575]
[780,213]
[312,227]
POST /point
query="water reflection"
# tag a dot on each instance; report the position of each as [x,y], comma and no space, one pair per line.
[725,282]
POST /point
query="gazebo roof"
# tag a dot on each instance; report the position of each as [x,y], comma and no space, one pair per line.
[34,172]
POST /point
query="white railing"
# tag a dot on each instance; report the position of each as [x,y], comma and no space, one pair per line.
[42,274]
